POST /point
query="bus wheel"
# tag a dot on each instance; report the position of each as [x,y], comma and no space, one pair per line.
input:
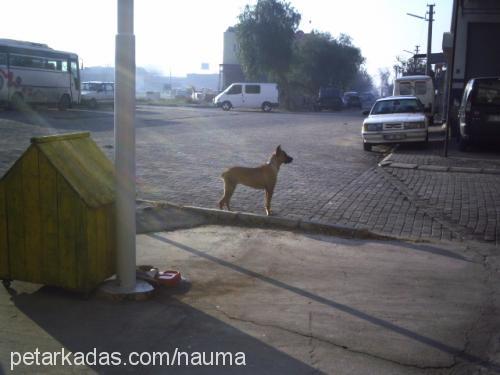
[64,102]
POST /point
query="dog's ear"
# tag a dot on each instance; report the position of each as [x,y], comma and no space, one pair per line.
[278,149]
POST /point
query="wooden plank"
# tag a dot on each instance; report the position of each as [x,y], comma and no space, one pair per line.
[62,158]
[4,250]
[31,197]
[81,247]
[15,227]
[49,218]
[67,211]
[84,169]
[93,259]
[110,240]
[101,244]
[60,137]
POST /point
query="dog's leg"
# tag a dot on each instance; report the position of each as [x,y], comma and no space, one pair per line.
[228,193]
[269,196]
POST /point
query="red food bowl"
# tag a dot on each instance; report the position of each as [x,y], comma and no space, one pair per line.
[169,278]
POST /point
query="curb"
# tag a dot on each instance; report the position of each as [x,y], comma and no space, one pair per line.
[220,217]
[388,163]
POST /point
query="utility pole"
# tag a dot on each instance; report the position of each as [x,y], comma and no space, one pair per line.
[429,19]
[429,38]
[125,284]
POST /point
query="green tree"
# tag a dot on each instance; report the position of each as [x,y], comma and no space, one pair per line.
[321,60]
[265,35]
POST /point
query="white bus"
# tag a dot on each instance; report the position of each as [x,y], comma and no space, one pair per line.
[33,73]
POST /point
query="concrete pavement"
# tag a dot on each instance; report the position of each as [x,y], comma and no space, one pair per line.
[294,303]
[182,151]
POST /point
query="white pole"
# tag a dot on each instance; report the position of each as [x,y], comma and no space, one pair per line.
[125,145]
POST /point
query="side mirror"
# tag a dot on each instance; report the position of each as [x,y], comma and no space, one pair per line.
[366,113]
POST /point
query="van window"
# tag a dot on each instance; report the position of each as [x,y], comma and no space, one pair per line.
[420,88]
[236,89]
[488,93]
[252,89]
[405,88]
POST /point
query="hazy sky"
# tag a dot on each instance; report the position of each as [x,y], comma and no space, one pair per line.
[180,35]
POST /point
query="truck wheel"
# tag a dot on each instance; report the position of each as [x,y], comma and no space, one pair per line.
[226,106]
[367,146]
[267,107]
[64,103]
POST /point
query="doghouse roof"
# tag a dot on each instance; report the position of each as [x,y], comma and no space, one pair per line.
[81,163]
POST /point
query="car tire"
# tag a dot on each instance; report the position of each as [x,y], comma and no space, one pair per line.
[92,103]
[367,146]
[226,106]
[267,107]
[64,103]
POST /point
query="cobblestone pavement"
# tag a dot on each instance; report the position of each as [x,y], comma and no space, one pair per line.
[182,151]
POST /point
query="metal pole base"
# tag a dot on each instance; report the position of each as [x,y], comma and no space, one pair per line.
[112,290]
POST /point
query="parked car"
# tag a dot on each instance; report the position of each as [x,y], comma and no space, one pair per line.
[420,86]
[351,99]
[96,92]
[395,119]
[479,112]
[248,95]
[329,98]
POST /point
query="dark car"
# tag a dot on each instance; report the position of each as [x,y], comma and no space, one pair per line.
[329,98]
[479,112]
[352,100]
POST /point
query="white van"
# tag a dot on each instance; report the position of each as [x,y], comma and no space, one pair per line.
[248,95]
[97,92]
[420,86]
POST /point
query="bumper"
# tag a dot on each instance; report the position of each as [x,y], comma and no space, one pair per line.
[395,137]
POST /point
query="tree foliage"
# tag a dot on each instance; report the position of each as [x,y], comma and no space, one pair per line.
[321,60]
[385,86]
[265,34]
[270,48]
[410,66]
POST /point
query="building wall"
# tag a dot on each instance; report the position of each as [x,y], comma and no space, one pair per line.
[486,13]
[470,11]
[230,54]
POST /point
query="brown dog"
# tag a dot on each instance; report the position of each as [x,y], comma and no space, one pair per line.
[263,177]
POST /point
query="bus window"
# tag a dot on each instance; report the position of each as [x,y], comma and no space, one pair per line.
[3,59]
[51,65]
[64,66]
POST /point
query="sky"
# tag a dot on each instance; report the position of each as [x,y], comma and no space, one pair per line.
[178,36]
